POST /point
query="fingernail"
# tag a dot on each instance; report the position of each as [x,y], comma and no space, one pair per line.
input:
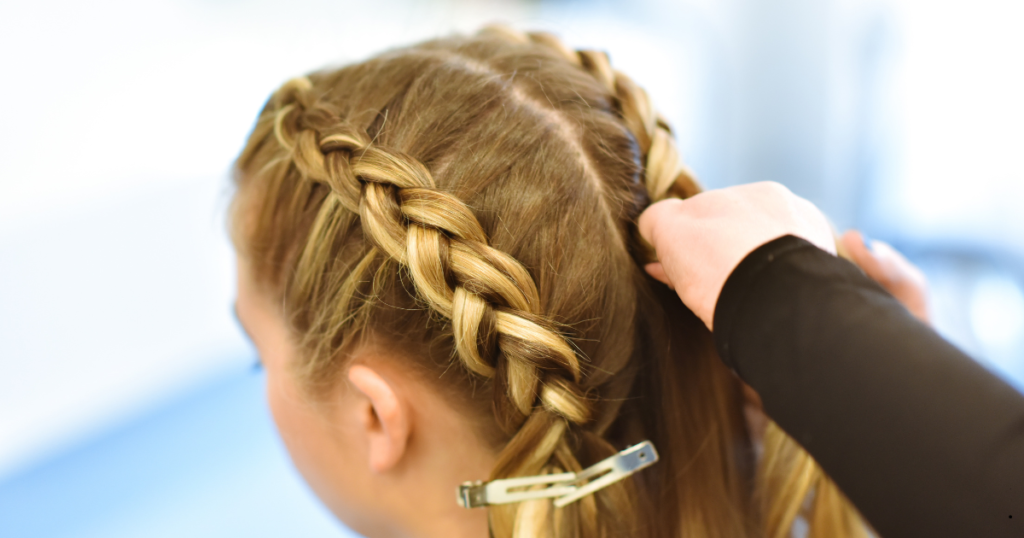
[868,242]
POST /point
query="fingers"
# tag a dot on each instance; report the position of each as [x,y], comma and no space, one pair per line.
[657,271]
[892,271]
[653,216]
[854,242]
[700,241]
[907,282]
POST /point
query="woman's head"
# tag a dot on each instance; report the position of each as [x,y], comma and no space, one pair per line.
[439,263]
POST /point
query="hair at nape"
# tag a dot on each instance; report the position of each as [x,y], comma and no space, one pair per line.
[474,199]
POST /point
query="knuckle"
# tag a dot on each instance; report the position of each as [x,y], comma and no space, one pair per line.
[776,188]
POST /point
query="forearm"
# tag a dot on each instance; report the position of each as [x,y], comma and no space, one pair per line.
[922,439]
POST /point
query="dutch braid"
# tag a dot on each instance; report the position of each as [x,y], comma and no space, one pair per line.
[489,299]
[665,175]
[790,473]
[438,238]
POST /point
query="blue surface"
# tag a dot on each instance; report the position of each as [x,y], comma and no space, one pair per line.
[206,464]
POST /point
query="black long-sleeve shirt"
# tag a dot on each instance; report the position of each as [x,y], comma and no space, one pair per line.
[923,440]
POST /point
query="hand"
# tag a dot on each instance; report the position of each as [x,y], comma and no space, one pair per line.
[700,240]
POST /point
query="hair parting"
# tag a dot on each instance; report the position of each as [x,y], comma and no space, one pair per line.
[474,199]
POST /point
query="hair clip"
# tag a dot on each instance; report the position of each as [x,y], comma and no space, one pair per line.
[564,487]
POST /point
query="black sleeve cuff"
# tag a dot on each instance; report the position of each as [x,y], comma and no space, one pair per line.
[922,439]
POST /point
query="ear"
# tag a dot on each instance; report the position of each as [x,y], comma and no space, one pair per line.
[385,419]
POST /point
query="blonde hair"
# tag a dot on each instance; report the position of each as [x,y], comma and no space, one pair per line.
[474,200]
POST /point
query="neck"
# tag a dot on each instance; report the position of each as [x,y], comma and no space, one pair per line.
[443,454]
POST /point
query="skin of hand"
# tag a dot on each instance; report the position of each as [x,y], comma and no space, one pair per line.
[700,240]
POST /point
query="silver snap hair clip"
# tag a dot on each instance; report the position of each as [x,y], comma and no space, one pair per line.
[564,487]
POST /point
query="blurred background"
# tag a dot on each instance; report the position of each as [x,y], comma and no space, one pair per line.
[128,402]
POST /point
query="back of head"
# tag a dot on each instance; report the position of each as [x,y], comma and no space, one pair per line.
[471,202]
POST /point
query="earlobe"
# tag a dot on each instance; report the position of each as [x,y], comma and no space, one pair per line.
[386,419]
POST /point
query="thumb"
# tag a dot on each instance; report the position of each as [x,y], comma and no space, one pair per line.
[653,218]
[657,271]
